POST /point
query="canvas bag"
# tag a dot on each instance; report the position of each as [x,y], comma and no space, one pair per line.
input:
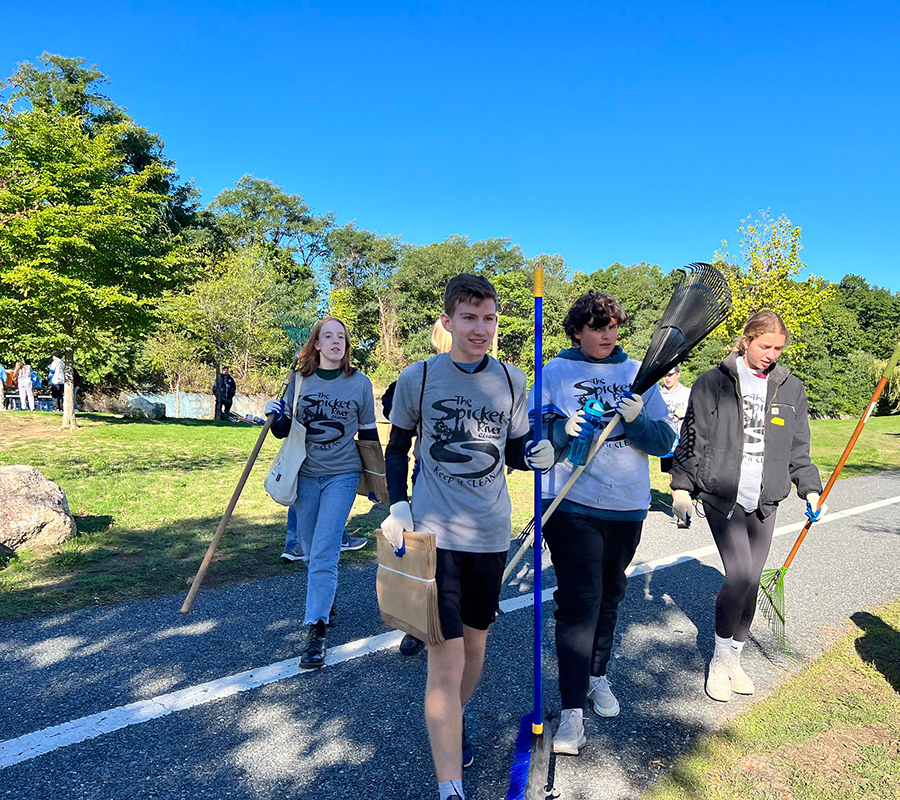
[281,480]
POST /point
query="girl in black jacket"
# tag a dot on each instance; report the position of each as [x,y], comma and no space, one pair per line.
[744,440]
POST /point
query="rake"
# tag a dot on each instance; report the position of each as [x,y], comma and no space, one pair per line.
[771,598]
[297,329]
[701,302]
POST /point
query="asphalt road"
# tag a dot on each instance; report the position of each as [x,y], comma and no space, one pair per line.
[128,676]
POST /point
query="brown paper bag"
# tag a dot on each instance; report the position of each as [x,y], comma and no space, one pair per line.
[407,590]
[372,478]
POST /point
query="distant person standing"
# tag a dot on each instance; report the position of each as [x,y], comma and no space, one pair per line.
[224,391]
[2,388]
[26,389]
[57,380]
[675,395]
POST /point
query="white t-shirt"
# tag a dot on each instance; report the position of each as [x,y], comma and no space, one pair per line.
[676,401]
[753,394]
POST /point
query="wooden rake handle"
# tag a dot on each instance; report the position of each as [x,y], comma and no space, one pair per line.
[885,377]
[561,496]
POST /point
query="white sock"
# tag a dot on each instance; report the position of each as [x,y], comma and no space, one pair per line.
[451,789]
[737,646]
[723,646]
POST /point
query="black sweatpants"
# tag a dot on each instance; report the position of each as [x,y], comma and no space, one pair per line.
[590,557]
[743,542]
[57,391]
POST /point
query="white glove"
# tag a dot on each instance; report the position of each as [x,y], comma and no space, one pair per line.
[540,455]
[399,520]
[629,406]
[275,407]
[812,502]
[682,505]
[574,423]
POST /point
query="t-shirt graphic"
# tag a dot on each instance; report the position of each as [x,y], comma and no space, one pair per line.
[325,419]
[465,438]
[753,398]
[607,393]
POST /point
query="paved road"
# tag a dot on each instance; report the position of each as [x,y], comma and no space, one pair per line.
[175,729]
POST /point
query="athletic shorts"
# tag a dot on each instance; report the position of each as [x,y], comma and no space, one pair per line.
[468,586]
[665,463]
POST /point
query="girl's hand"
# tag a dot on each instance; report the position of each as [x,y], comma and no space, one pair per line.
[682,505]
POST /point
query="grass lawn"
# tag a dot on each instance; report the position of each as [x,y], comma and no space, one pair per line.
[832,731]
[147,497]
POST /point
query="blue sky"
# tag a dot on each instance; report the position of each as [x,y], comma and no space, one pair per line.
[601,131]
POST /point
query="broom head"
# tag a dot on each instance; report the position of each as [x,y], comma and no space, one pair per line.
[701,302]
[771,602]
[531,763]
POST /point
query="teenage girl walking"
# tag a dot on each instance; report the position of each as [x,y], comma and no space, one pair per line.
[744,440]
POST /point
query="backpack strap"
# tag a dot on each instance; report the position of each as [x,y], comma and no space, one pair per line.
[422,396]
[512,396]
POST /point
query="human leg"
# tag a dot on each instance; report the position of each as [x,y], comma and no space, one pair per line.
[759,535]
[443,707]
[293,551]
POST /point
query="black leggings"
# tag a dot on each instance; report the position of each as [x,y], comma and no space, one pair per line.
[743,542]
[590,557]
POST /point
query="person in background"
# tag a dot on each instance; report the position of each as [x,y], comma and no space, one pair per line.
[336,403]
[57,380]
[224,390]
[2,388]
[676,396]
[76,385]
[26,387]
[745,439]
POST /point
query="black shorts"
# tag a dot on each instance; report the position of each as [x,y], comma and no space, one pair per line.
[665,463]
[468,587]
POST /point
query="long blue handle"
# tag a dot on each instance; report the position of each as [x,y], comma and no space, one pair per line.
[538,722]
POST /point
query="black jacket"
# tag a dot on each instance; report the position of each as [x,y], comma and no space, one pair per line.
[707,461]
[226,388]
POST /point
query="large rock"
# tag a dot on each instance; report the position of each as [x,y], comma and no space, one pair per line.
[141,408]
[34,511]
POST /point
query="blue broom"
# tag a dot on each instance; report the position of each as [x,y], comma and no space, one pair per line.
[531,762]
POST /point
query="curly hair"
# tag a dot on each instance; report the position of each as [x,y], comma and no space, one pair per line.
[595,309]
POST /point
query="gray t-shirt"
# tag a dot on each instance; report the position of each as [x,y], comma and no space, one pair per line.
[460,493]
[753,395]
[332,412]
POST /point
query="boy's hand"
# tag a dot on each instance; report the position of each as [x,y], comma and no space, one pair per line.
[574,423]
[399,520]
[539,455]
[629,406]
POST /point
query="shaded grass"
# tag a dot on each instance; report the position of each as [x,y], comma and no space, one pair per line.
[833,730]
[147,497]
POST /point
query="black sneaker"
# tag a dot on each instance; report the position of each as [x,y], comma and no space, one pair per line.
[314,655]
[411,646]
[468,755]
[287,557]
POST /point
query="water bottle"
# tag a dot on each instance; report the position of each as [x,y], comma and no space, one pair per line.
[581,444]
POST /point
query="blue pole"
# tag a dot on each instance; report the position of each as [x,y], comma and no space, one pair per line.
[538,722]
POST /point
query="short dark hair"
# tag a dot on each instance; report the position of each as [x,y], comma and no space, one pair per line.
[57,354]
[595,309]
[224,368]
[466,288]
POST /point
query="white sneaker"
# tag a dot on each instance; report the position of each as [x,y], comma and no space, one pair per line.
[602,698]
[570,733]
[718,682]
[740,680]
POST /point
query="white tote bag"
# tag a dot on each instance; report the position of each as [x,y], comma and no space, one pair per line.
[281,481]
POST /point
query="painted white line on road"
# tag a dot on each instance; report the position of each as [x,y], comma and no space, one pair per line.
[31,745]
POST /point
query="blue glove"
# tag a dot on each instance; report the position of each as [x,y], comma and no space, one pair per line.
[275,407]
[372,497]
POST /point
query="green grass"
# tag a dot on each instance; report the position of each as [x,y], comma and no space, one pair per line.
[147,497]
[831,731]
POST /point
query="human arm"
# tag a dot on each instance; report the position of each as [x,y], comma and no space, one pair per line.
[396,466]
[694,437]
[804,473]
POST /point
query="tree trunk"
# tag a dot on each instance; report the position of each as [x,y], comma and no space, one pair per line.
[68,418]
[217,389]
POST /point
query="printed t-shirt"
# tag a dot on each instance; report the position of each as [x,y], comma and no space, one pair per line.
[460,492]
[332,412]
[676,401]
[753,398]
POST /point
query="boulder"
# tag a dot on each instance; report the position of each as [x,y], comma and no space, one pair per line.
[141,408]
[34,511]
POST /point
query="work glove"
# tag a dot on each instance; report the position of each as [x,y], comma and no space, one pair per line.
[399,520]
[813,513]
[275,407]
[682,505]
[629,406]
[575,422]
[539,455]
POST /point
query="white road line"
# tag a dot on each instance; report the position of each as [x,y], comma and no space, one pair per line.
[30,745]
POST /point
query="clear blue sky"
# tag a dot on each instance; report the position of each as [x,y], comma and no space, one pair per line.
[639,131]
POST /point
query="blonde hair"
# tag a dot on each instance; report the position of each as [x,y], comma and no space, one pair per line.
[309,356]
[441,340]
[765,321]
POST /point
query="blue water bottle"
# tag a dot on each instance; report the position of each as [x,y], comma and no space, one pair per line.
[581,444]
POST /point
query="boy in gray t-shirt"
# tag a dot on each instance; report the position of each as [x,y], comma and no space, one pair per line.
[469,412]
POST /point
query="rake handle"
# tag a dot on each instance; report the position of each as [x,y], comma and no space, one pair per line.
[885,377]
[561,496]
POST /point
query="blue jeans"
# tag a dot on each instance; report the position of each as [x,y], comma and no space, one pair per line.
[321,510]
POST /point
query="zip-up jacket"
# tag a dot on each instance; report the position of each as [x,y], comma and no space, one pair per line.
[708,457]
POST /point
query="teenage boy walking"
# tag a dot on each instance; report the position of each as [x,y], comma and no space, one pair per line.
[469,412]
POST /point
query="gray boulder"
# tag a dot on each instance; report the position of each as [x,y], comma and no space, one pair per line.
[34,511]
[141,408]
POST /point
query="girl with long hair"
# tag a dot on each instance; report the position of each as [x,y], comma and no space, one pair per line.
[744,440]
[335,405]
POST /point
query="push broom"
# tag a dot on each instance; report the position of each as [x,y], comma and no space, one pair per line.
[771,598]
[298,332]
[531,763]
[701,302]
